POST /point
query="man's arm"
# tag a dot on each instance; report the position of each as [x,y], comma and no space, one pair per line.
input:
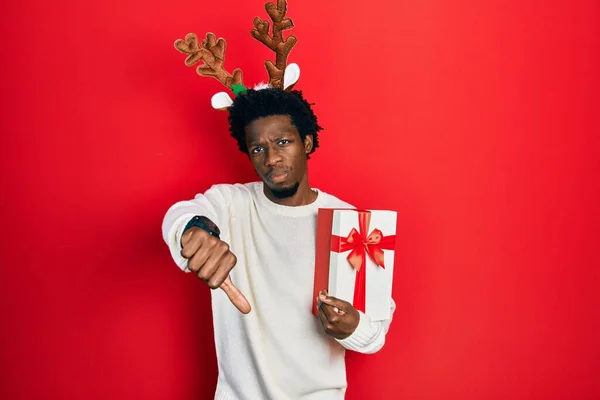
[212,204]
[196,247]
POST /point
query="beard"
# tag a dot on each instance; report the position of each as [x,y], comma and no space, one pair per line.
[284,193]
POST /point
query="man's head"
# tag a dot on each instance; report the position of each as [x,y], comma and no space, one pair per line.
[278,130]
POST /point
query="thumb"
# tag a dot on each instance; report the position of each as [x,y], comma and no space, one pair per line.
[236,297]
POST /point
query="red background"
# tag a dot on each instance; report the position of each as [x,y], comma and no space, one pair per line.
[476,120]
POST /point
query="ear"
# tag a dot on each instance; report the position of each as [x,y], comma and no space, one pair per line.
[308,143]
[291,76]
[221,101]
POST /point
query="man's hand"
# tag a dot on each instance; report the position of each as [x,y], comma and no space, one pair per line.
[339,318]
[211,260]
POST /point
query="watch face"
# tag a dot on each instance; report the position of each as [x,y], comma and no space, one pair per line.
[212,227]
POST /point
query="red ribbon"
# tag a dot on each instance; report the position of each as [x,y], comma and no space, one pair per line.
[361,244]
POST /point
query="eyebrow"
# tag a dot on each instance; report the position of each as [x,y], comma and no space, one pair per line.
[253,144]
[279,137]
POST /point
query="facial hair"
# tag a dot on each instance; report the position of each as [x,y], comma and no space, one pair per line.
[287,192]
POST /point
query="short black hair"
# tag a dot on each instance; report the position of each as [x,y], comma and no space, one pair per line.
[254,104]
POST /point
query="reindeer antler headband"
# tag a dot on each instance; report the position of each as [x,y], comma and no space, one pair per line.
[212,52]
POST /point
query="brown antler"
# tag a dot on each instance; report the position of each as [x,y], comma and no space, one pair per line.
[276,43]
[212,52]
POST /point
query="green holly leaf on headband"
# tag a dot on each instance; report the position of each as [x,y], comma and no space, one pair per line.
[238,88]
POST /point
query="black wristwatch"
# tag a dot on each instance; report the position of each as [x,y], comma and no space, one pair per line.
[205,223]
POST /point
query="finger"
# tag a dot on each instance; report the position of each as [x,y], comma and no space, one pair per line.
[213,261]
[334,302]
[235,296]
[190,243]
[224,267]
[334,307]
[186,237]
[323,318]
[332,316]
[198,260]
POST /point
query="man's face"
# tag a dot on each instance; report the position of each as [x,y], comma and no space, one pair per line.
[277,153]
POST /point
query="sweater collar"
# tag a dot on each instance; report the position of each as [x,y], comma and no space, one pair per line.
[290,211]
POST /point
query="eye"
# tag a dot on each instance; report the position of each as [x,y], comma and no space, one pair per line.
[256,150]
[283,142]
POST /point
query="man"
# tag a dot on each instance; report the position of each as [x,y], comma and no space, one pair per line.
[269,345]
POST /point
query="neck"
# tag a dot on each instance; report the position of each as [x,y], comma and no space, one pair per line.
[303,196]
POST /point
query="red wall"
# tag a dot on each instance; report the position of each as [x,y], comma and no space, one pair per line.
[476,120]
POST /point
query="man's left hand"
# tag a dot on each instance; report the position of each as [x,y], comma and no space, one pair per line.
[339,318]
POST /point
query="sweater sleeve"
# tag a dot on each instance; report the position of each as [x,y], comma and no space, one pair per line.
[215,204]
[369,336]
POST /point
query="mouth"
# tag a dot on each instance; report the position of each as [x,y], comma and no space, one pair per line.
[277,176]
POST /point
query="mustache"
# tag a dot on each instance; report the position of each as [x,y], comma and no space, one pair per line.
[278,171]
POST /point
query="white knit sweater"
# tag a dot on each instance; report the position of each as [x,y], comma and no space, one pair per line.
[279,351]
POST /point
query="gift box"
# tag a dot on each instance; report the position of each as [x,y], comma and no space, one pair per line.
[354,258]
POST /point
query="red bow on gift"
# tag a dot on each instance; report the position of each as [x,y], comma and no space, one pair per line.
[361,244]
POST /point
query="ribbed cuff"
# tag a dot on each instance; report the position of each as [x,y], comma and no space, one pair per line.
[362,336]
[175,244]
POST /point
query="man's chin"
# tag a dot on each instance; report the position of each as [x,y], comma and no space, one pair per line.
[282,191]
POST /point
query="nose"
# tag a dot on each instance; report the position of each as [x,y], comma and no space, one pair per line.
[272,157]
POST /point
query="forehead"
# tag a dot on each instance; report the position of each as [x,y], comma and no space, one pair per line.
[269,127]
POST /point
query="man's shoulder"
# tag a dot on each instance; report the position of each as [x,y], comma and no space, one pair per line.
[231,189]
[331,201]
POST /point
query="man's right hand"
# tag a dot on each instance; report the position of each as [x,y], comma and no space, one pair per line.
[212,261]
